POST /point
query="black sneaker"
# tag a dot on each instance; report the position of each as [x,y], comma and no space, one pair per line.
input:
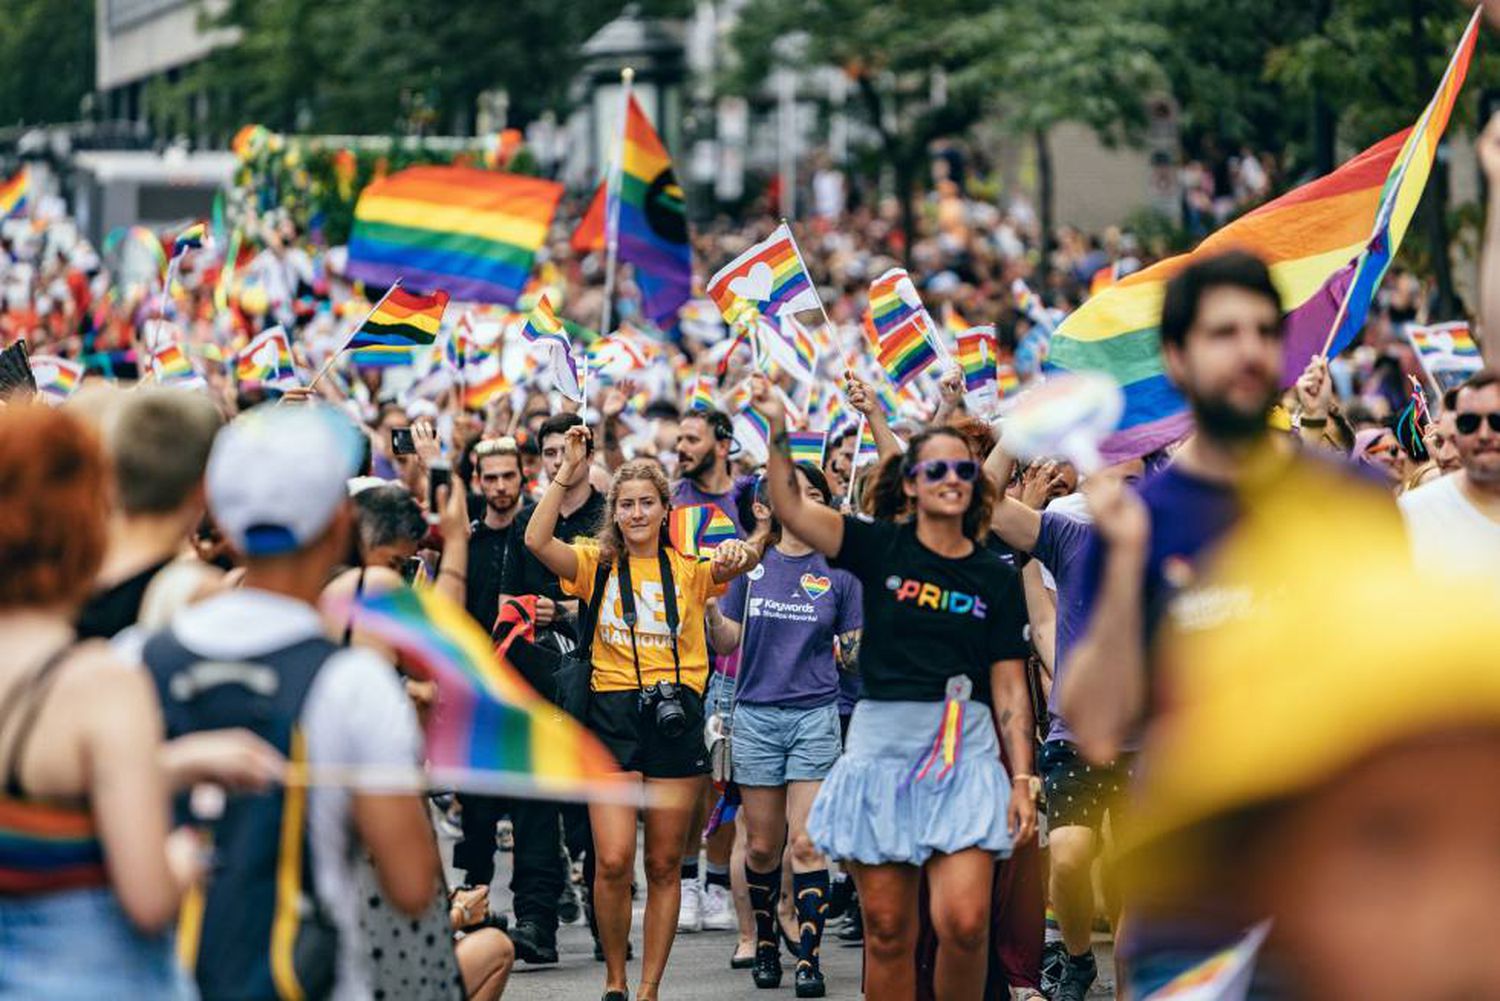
[569,909]
[767,969]
[853,932]
[1054,962]
[810,982]
[1077,978]
[533,945]
[840,896]
[616,996]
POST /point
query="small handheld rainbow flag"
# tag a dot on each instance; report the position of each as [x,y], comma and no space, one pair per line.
[15,194]
[867,450]
[488,724]
[189,239]
[542,326]
[700,394]
[806,446]
[976,356]
[697,530]
[56,378]
[483,380]
[399,323]
[1445,347]
[894,302]
[266,359]
[172,367]
[905,352]
[769,276]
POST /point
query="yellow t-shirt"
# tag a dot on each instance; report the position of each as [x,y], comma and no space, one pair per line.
[614,668]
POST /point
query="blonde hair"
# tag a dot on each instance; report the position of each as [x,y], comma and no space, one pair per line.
[611,542]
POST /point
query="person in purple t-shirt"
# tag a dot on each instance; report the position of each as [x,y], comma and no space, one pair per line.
[1079,792]
[786,619]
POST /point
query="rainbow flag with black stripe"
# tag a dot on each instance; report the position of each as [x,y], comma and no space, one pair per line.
[488,723]
[1310,238]
[15,194]
[400,323]
[472,232]
[645,206]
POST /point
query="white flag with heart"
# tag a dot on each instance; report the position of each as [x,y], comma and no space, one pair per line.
[769,277]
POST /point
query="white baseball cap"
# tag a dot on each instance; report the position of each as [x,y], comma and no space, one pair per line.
[277,475]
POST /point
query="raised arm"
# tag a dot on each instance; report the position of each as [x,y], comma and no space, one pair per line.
[1018,524]
[951,388]
[818,525]
[862,398]
[557,556]
[1104,690]
[453,568]
[1488,148]
[1041,615]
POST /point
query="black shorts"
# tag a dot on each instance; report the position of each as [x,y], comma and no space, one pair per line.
[1078,793]
[631,736]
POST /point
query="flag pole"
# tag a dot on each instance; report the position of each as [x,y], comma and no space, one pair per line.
[859,434]
[832,330]
[333,358]
[612,203]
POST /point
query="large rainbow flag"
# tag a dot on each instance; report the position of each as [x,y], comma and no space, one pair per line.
[488,721]
[472,232]
[1310,237]
[646,209]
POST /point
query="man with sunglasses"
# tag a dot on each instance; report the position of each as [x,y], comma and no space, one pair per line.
[1454,521]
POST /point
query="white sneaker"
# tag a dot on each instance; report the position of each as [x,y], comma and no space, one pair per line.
[718,909]
[690,912]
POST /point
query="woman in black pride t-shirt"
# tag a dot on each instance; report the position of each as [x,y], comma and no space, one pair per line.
[920,787]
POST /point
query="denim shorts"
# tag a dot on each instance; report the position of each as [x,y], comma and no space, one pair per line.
[774,745]
[78,944]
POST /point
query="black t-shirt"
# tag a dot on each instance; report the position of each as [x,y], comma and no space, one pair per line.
[929,617]
[488,548]
[525,574]
[114,609]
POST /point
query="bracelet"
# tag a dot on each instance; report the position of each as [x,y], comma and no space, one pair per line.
[1314,422]
[1022,775]
[457,573]
[568,486]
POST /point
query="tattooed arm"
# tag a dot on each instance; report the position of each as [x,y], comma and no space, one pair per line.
[847,652]
[1013,721]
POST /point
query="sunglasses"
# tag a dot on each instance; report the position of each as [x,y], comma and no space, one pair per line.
[936,470]
[1468,423]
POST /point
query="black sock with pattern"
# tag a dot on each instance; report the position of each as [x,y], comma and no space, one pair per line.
[811,892]
[764,888]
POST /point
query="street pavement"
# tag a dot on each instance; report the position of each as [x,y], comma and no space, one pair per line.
[698,968]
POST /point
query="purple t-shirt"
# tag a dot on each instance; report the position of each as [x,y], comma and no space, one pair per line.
[1060,545]
[797,605]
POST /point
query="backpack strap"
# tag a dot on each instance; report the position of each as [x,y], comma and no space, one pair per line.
[590,618]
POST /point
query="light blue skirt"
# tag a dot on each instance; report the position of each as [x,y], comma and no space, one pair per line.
[874,808]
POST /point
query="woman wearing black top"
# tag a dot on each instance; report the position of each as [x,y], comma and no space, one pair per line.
[920,788]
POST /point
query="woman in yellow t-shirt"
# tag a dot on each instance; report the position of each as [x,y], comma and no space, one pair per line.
[650,661]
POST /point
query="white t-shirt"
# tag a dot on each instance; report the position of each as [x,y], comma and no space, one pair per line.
[1448,533]
[356,713]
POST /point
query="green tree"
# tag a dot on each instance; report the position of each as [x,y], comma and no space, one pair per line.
[1030,65]
[46,61]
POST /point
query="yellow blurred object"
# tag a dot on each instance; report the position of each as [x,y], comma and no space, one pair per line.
[1280,419]
[1308,643]
[253,300]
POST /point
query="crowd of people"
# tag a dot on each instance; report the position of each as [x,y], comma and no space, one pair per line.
[967,705]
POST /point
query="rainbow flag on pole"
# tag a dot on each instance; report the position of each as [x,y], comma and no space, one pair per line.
[400,323]
[806,446]
[698,529]
[172,367]
[769,276]
[190,238]
[472,232]
[894,303]
[649,218]
[904,353]
[1307,237]
[56,378]
[15,194]
[488,727]
[266,359]
[1403,188]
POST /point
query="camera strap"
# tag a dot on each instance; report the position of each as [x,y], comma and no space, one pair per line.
[627,609]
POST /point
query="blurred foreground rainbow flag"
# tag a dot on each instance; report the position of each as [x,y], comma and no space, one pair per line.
[490,731]
[1310,237]
[1225,976]
[15,194]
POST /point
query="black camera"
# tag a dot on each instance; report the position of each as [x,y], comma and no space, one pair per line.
[663,701]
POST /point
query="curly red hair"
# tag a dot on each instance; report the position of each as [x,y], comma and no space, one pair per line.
[53,492]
